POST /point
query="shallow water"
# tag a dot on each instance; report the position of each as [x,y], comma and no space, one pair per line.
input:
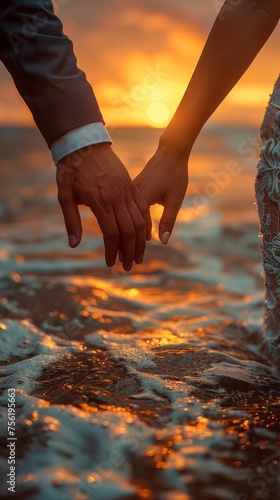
[144,385]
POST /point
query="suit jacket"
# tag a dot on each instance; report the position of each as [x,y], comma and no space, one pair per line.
[43,66]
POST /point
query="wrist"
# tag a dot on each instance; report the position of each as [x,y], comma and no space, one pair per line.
[85,155]
[170,142]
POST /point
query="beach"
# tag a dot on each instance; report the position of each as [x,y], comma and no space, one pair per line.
[151,384]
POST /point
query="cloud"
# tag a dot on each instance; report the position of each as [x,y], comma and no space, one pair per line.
[92,14]
[116,41]
[120,54]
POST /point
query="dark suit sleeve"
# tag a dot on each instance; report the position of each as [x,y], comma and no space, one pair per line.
[41,61]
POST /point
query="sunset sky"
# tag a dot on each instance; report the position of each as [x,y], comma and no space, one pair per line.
[139,57]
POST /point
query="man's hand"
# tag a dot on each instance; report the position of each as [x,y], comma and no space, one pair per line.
[164,180]
[95,177]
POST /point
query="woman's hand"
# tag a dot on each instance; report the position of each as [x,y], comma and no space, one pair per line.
[164,180]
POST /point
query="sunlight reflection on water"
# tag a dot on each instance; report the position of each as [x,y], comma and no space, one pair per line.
[146,385]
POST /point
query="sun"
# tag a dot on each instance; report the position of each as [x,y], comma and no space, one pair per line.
[158,113]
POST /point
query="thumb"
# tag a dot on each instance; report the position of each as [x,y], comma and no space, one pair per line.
[167,221]
[72,218]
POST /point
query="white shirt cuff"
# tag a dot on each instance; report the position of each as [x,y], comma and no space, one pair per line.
[92,133]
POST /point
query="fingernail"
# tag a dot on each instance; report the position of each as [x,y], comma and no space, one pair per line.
[127,267]
[165,238]
[139,260]
[72,240]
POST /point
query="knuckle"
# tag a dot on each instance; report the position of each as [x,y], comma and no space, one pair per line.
[169,221]
[70,225]
[144,208]
[105,198]
[130,234]
[64,198]
[140,226]
[111,234]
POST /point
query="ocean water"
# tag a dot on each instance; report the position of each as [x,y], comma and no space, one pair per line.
[151,384]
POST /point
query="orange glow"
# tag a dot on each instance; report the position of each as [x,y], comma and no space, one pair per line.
[92,479]
[133,292]
[30,478]
[158,113]
[48,342]
[65,475]
[137,58]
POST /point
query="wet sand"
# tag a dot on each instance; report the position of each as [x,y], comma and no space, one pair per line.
[151,384]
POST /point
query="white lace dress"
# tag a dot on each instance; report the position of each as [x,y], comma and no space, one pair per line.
[268,201]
